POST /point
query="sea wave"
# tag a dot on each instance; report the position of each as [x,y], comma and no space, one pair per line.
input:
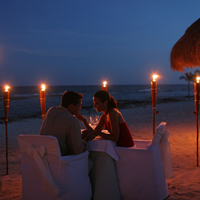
[25,101]
[144,90]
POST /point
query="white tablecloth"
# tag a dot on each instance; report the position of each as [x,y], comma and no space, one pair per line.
[102,145]
[103,174]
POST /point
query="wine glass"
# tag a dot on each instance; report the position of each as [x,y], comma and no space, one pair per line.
[94,119]
[88,120]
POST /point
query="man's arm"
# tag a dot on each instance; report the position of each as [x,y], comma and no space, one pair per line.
[74,138]
[82,118]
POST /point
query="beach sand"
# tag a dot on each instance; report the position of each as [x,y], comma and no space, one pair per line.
[181,122]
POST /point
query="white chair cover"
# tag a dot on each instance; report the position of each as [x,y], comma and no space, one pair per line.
[140,171]
[47,175]
[162,135]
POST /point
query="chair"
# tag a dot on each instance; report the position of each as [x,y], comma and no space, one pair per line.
[140,169]
[48,175]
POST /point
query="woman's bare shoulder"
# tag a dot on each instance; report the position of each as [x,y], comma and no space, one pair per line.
[119,115]
[115,112]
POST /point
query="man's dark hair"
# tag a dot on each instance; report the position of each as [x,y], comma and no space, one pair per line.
[70,98]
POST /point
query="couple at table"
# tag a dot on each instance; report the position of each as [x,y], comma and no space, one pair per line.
[111,119]
[62,122]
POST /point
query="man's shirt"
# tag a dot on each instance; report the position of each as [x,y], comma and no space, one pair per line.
[65,127]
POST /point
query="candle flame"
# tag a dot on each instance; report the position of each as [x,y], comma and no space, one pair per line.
[154,77]
[198,78]
[104,83]
[6,88]
[43,87]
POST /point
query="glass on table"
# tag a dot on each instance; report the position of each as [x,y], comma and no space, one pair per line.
[94,120]
[88,120]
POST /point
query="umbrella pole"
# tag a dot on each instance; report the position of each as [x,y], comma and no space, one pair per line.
[196,95]
[197,138]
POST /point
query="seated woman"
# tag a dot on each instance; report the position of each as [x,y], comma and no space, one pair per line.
[111,119]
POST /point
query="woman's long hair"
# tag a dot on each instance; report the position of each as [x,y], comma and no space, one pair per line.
[103,96]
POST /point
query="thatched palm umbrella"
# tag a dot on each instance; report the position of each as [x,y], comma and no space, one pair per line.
[186,53]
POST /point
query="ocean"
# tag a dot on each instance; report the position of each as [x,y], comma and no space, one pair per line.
[25,100]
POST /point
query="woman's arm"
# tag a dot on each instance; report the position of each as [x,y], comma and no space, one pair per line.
[114,125]
[101,124]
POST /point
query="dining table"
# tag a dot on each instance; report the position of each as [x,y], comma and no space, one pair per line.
[103,175]
[137,172]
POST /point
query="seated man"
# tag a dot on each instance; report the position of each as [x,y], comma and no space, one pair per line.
[61,123]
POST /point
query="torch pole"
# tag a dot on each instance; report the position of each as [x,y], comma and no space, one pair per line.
[154,119]
[153,98]
[42,103]
[196,95]
[6,108]
[6,123]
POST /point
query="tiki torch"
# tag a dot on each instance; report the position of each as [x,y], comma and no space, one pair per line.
[196,100]
[153,98]
[104,86]
[6,108]
[43,101]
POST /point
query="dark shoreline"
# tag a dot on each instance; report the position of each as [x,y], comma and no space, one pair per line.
[122,104]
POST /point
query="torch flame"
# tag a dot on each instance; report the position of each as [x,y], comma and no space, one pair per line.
[154,77]
[198,78]
[104,83]
[43,87]
[6,88]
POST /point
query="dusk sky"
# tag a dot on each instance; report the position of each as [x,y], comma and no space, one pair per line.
[83,42]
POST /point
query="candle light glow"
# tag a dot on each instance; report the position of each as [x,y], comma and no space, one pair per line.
[104,87]
[43,87]
[104,83]
[198,78]
[6,88]
[154,77]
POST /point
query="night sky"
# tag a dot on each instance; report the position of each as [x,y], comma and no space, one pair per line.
[83,42]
